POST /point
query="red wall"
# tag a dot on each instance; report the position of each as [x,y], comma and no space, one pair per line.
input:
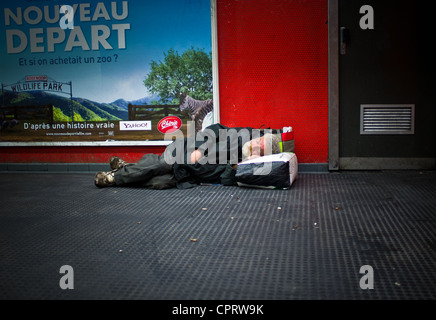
[273,69]
[272,72]
[73,154]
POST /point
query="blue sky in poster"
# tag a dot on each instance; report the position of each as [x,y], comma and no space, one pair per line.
[146,28]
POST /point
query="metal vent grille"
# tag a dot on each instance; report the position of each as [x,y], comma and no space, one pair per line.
[387,119]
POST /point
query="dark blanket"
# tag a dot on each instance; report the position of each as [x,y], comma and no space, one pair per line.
[219,144]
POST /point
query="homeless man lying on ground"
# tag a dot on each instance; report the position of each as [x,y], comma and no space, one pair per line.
[213,156]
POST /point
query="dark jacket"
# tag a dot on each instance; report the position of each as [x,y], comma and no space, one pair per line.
[219,143]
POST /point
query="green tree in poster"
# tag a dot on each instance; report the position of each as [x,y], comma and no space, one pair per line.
[190,72]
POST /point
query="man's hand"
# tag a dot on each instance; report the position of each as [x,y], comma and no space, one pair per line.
[195,156]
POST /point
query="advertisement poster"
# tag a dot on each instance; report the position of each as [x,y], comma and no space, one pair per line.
[87,71]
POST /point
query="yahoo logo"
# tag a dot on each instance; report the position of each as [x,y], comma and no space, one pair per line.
[135,125]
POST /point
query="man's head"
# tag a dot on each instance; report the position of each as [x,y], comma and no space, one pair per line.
[268,144]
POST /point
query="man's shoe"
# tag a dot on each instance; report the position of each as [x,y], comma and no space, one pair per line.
[104,179]
[116,163]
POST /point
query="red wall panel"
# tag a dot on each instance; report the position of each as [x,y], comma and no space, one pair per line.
[73,154]
[273,69]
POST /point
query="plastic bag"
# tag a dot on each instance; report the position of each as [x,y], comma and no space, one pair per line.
[276,171]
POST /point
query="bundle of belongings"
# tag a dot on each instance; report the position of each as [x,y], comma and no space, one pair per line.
[274,171]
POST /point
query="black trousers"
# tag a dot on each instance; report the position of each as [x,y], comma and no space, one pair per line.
[151,171]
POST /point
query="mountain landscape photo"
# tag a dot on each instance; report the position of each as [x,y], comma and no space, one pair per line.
[64,107]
